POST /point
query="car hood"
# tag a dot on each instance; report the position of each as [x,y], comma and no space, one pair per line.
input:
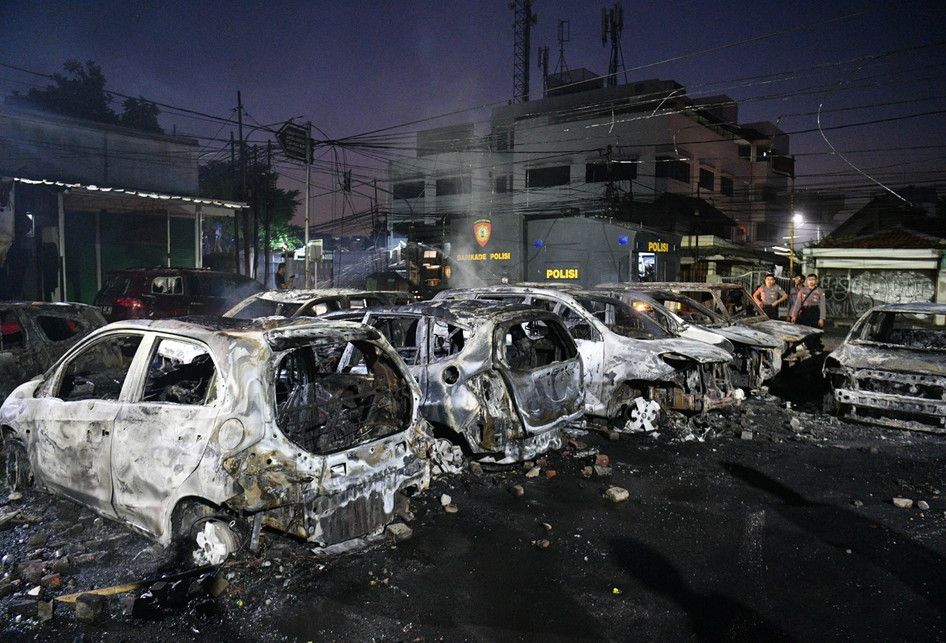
[787,332]
[700,351]
[890,358]
[747,335]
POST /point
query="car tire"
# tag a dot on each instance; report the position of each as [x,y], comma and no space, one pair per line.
[16,466]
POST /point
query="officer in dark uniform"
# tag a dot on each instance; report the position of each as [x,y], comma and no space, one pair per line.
[809,309]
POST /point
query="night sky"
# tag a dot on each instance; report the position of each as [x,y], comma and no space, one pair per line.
[357,66]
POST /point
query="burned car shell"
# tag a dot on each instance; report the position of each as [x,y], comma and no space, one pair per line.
[138,460]
[36,334]
[312,302]
[458,353]
[900,384]
[680,374]
[793,335]
[757,354]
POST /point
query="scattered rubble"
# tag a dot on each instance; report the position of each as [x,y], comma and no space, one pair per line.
[903,503]
[517,490]
[617,494]
[922,505]
[398,532]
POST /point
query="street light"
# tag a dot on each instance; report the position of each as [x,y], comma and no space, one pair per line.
[797,220]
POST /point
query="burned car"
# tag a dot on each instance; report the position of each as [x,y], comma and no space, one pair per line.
[204,432]
[737,307]
[503,378]
[632,366]
[313,302]
[33,335]
[891,368]
[757,355]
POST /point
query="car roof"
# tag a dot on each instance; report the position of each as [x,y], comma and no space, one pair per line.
[468,312]
[302,295]
[924,307]
[47,305]
[211,328]
[667,285]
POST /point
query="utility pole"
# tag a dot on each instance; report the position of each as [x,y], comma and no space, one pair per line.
[246,240]
[256,195]
[268,214]
[791,214]
[236,213]
[308,181]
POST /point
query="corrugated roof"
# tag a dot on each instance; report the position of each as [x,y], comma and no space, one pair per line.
[896,238]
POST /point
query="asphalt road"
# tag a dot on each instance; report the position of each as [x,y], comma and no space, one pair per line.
[791,535]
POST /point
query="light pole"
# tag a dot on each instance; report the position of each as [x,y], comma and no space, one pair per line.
[797,219]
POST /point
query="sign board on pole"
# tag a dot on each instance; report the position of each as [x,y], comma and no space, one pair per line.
[292,139]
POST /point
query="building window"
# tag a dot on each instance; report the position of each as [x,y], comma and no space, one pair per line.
[769,194]
[505,140]
[546,177]
[504,183]
[454,185]
[409,190]
[671,168]
[762,151]
[707,180]
[726,185]
[745,151]
[765,232]
[598,172]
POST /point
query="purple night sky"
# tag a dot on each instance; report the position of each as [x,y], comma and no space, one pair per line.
[357,66]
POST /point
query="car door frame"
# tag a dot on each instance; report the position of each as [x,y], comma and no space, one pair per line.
[148,470]
[64,470]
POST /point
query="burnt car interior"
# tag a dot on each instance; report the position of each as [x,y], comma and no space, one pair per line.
[59,329]
[534,344]
[180,373]
[447,340]
[910,330]
[98,372]
[401,333]
[335,396]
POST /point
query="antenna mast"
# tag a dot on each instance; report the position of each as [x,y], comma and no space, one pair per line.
[523,19]
[612,24]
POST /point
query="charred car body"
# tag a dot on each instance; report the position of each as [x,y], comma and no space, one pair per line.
[33,335]
[629,360]
[757,355]
[200,429]
[503,378]
[312,302]
[891,368]
[737,306]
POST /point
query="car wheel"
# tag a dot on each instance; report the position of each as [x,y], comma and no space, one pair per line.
[214,540]
[634,413]
[17,471]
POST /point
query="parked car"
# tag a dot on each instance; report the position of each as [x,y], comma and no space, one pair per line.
[757,355]
[891,368]
[632,366]
[736,305]
[205,431]
[502,378]
[33,335]
[313,302]
[160,293]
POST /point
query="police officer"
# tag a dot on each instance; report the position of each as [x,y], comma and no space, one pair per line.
[809,309]
[769,295]
[798,282]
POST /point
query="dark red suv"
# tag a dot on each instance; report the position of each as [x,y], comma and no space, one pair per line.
[158,293]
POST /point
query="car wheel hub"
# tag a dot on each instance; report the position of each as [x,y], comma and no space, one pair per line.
[641,415]
[215,542]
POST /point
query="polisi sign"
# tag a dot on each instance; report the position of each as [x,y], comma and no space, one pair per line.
[561,273]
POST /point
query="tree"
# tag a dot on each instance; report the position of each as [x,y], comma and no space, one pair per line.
[80,92]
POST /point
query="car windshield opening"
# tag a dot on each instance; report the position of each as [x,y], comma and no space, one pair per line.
[622,319]
[924,331]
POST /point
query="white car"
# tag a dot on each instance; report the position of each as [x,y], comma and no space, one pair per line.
[208,431]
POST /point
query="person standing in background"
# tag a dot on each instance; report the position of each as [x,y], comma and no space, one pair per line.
[769,295]
[809,310]
[797,283]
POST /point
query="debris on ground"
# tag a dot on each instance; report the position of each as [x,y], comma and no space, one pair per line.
[922,505]
[903,503]
[398,532]
[517,490]
[617,494]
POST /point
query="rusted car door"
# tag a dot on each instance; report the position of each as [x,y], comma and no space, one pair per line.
[161,433]
[75,420]
[541,365]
